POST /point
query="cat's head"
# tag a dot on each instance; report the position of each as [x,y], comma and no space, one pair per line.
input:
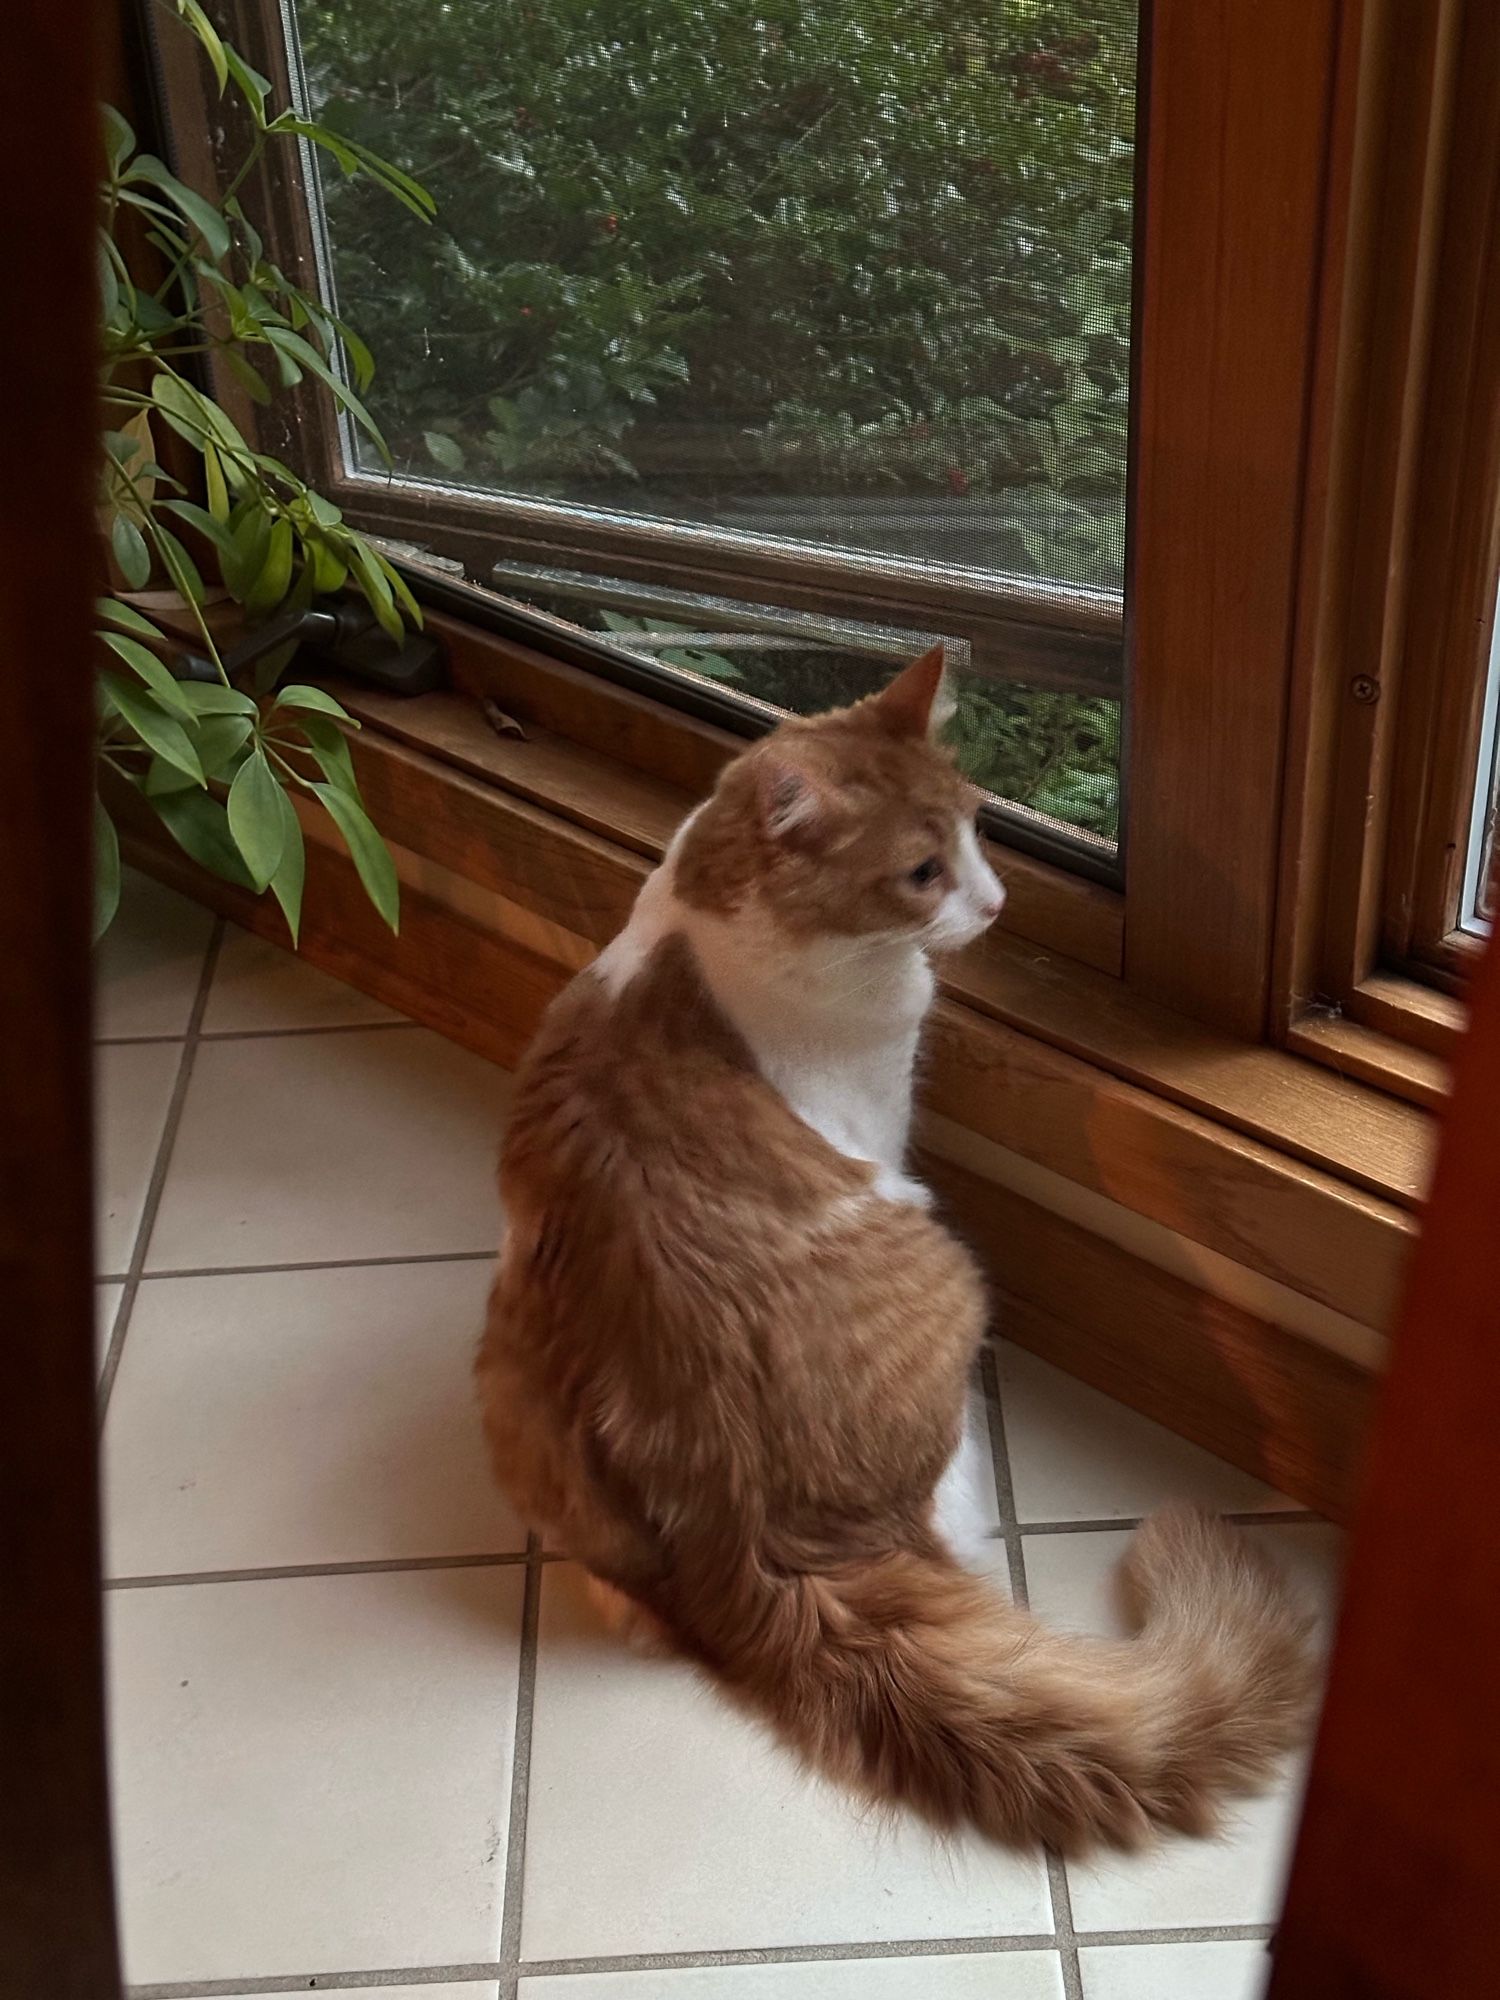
[853,824]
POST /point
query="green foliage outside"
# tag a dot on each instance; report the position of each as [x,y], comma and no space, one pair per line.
[709,257]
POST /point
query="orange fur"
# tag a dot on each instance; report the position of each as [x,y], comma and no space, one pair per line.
[724,1368]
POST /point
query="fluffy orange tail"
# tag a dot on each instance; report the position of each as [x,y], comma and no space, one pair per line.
[907,1678]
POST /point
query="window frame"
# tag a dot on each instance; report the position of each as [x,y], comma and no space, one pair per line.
[1401,553]
[1247,302]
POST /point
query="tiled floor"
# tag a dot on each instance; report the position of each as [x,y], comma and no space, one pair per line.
[365,1736]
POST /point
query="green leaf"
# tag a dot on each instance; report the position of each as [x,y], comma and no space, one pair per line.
[286,883]
[376,587]
[157,730]
[329,747]
[199,518]
[255,817]
[208,35]
[200,826]
[402,593]
[317,135]
[254,87]
[131,553]
[213,479]
[446,450]
[179,564]
[251,538]
[162,777]
[329,571]
[106,870]
[220,739]
[213,698]
[360,358]
[192,415]
[204,217]
[286,342]
[249,379]
[370,855]
[121,446]
[113,612]
[119,140]
[152,671]
[297,695]
[270,585]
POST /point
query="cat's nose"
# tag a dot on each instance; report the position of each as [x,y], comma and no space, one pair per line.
[990,910]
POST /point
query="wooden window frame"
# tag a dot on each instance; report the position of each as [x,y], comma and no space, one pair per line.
[1400,555]
[1255,285]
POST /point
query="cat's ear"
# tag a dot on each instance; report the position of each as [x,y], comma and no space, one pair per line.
[918,701]
[794,805]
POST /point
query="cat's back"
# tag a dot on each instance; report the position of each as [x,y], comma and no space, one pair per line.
[643,1092]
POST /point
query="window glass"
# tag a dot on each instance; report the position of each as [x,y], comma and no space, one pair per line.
[849,273]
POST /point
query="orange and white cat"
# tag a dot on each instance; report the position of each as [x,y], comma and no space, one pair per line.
[728,1346]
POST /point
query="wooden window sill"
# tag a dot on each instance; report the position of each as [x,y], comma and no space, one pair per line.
[1308,1177]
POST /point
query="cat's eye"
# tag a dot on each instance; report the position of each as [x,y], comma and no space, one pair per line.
[926,872]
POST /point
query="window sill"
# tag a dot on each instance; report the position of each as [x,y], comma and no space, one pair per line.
[1305,1176]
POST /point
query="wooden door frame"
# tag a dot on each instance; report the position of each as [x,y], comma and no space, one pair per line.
[57,1921]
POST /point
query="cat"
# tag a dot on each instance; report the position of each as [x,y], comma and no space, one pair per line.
[728,1344]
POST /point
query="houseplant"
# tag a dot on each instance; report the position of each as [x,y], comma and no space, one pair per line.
[219,763]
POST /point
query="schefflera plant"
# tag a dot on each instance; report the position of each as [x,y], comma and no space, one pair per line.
[219,760]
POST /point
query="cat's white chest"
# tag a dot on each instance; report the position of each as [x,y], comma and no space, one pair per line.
[845,1069]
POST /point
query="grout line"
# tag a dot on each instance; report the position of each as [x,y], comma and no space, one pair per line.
[317,1982]
[1057,1871]
[380,1567]
[1183,1934]
[520,1777]
[1062,1923]
[812,1954]
[310,1028]
[791,1954]
[159,1168]
[252,1034]
[317,1264]
[1274,1517]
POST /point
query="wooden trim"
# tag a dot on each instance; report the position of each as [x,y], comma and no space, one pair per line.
[57,1918]
[1292,1414]
[1455,550]
[1343,1130]
[1277,1405]
[1274,1164]
[1237,140]
[1355,1050]
[1400,1007]
[562,705]
[1395,1886]
[1397,578]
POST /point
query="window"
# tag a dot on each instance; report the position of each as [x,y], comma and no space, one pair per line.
[821,308]
[759,345]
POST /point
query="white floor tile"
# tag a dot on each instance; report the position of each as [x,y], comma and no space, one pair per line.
[132,1090]
[1175,1971]
[148,963]
[315,1148]
[694,1831]
[995,1975]
[301,1417]
[106,1305]
[1078,1456]
[259,985]
[1236,1878]
[312,1774]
